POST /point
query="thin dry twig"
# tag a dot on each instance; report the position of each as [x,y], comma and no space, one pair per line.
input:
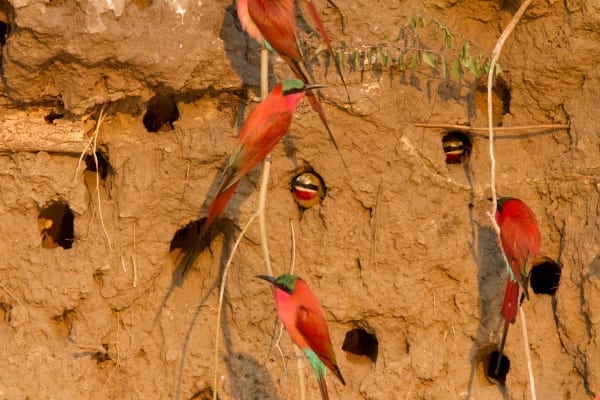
[517,128]
[292,265]
[221,295]
[493,61]
[262,200]
[260,212]
[300,366]
[118,360]
[94,147]
[264,181]
[133,263]
[293,250]
[373,222]
[527,354]
[8,292]
[93,142]
[187,173]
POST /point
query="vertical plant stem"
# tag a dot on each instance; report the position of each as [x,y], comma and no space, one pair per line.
[220,307]
[491,74]
[264,180]
[527,354]
[262,200]
[260,212]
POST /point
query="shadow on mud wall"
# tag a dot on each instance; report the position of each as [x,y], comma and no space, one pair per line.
[197,241]
[248,379]
[490,283]
[243,53]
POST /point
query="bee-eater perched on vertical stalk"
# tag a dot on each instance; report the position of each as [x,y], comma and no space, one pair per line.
[263,129]
[273,24]
[303,318]
[520,240]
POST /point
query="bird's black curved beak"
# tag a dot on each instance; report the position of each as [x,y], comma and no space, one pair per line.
[267,278]
[311,86]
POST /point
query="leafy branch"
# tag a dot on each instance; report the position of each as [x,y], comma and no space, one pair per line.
[423,42]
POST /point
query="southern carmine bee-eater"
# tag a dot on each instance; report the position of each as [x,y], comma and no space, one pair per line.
[303,318]
[263,129]
[520,240]
[308,189]
[273,24]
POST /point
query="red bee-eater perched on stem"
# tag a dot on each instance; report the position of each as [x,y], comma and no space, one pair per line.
[263,129]
[303,318]
[520,240]
[273,24]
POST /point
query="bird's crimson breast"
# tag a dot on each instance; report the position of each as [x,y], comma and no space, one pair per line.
[304,194]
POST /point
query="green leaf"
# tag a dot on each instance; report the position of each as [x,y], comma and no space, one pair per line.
[497,70]
[412,22]
[456,70]
[465,51]
[342,59]
[319,49]
[400,62]
[471,65]
[434,34]
[355,58]
[380,56]
[444,67]
[415,61]
[429,59]
[383,57]
[448,37]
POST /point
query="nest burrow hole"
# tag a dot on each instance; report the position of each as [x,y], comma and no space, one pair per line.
[545,277]
[161,112]
[457,147]
[501,98]
[362,343]
[55,222]
[97,164]
[498,371]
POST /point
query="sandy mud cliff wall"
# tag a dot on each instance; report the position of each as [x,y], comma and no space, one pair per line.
[400,250]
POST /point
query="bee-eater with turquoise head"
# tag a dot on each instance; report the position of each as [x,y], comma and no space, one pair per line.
[303,318]
[273,24]
[263,129]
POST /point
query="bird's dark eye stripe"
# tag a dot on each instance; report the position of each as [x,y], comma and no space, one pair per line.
[283,287]
[293,90]
[454,147]
[307,185]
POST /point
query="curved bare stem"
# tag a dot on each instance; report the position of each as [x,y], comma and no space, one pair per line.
[494,60]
